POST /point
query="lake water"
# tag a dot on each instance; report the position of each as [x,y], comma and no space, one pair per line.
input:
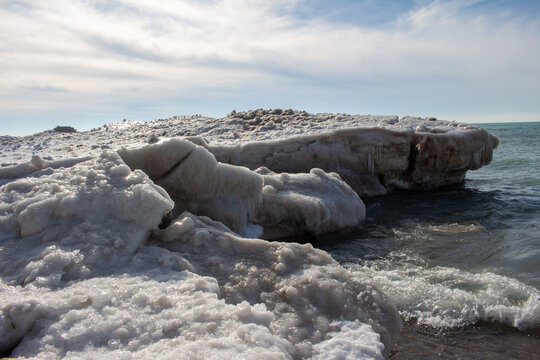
[462,264]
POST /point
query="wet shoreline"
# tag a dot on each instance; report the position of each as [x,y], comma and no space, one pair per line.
[479,341]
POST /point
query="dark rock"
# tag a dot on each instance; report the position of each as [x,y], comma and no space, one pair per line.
[65,129]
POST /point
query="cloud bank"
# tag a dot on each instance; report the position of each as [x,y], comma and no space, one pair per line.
[69,58]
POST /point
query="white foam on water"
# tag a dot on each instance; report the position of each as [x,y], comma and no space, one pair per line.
[449,297]
[354,341]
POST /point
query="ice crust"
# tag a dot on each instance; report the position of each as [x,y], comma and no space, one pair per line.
[310,296]
[86,274]
[198,183]
[373,154]
[76,222]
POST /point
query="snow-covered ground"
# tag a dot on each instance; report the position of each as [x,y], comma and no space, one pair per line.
[102,255]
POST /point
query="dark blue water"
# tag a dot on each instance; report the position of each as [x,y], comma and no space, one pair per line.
[461,258]
[512,181]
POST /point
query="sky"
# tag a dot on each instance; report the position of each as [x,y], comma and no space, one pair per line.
[85,63]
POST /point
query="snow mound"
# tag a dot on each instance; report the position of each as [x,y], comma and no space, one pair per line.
[310,296]
[85,273]
[136,316]
[71,223]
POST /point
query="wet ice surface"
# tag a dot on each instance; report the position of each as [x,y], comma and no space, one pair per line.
[85,272]
[481,341]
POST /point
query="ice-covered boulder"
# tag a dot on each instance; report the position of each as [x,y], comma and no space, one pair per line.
[198,183]
[283,204]
[65,129]
[356,154]
[442,152]
[310,203]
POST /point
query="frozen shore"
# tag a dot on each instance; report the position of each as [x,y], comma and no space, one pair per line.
[90,267]
[373,154]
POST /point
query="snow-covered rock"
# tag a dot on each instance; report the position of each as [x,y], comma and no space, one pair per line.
[65,129]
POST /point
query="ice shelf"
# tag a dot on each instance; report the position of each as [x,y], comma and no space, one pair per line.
[373,154]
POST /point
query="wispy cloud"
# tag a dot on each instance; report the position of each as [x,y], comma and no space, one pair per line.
[145,50]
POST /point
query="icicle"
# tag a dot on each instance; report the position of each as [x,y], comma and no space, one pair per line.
[370,164]
[476,159]
[237,155]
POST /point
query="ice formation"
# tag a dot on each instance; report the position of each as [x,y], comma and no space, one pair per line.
[373,154]
[85,272]
[198,183]
[86,275]
[309,295]
[76,222]
[283,204]
[313,203]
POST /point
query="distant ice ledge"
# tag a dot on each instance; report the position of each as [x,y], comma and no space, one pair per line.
[373,154]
